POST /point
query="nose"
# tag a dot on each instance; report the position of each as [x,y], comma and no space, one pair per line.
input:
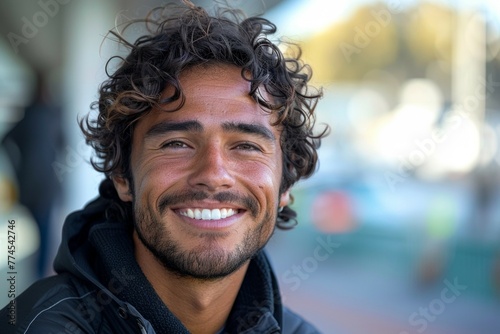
[211,170]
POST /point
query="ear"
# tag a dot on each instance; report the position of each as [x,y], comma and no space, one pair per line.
[285,199]
[122,187]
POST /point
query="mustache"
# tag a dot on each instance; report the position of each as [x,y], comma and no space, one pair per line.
[247,202]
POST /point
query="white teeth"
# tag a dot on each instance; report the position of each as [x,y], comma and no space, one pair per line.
[207,214]
[216,214]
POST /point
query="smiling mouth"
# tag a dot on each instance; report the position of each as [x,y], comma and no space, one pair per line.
[208,214]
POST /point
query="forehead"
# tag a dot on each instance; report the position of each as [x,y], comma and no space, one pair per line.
[214,76]
[213,94]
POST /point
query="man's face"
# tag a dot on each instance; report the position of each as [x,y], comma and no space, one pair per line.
[206,177]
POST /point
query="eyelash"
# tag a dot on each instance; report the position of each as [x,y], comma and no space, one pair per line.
[174,144]
[249,147]
[179,144]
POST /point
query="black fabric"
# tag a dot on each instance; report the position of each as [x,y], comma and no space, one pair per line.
[258,294]
[115,250]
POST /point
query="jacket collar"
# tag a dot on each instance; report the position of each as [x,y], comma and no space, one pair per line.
[258,304]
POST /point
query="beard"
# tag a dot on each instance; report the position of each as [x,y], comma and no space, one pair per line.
[207,261]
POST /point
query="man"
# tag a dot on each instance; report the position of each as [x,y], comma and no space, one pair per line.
[201,132]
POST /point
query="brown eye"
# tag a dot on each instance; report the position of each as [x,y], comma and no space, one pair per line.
[174,144]
[248,147]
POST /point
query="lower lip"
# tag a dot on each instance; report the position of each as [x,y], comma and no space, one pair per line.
[217,224]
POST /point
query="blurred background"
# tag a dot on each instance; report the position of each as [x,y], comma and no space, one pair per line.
[399,230]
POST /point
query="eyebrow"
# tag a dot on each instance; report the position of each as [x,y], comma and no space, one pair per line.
[255,129]
[195,126]
[165,127]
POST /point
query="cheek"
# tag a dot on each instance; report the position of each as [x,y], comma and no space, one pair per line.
[153,178]
[265,178]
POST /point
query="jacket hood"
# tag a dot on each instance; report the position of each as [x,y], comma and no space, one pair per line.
[74,250]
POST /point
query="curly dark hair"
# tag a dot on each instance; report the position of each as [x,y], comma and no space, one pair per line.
[180,37]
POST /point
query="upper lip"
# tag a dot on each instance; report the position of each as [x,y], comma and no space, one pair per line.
[206,205]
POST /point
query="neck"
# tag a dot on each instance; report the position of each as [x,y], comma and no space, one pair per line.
[201,305]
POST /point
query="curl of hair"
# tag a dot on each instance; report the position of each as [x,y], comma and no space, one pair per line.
[180,37]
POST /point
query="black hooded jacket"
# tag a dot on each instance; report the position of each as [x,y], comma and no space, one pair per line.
[100,288]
